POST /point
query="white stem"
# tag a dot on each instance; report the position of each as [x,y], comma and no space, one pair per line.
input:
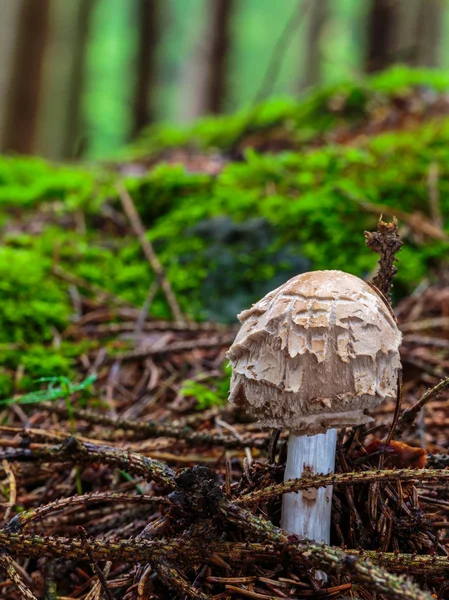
[308,513]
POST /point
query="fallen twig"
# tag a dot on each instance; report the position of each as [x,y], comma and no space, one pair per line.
[278,542]
[95,567]
[150,254]
[152,429]
[7,564]
[173,578]
[23,519]
[409,415]
[417,221]
[86,452]
[317,481]
[175,347]
[386,242]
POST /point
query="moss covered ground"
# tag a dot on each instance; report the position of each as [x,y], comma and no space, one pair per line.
[233,206]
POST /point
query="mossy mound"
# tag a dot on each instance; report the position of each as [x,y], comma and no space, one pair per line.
[224,237]
[286,122]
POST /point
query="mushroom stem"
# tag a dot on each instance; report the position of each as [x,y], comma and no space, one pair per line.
[308,513]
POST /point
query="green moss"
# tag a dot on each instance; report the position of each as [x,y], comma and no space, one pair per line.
[26,182]
[208,392]
[338,104]
[36,361]
[224,240]
[304,217]
[157,192]
[32,306]
[6,383]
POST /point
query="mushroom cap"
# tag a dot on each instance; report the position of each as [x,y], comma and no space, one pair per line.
[317,352]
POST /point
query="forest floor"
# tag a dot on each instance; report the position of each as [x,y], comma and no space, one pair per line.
[134,478]
[146,493]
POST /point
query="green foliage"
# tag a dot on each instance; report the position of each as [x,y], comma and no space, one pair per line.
[224,240]
[6,383]
[347,102]
[209,392]
[272,216]
[58,387]
[32,305]
[36,361]
[25,182]
[158,191]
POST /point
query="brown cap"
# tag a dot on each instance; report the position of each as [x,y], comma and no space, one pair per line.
[316,353]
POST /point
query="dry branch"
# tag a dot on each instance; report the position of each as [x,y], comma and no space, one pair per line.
[173,578]
[317,481]
[330,559]
[417,221]
[386,242]
[409,415]
[22,520]
[175,347]
[278,543]
[7,564]
[197,495]
[152,429]
[150,254]
[95,567]
[86,452]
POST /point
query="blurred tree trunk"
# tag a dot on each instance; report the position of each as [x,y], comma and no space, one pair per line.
[23,100]
[428,32]
[148,13]
[221,12]
[316,20]
[206,73]
[10,12]
[383,24]
[73,125]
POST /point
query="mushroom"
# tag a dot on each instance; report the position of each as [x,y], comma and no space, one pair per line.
[314,355]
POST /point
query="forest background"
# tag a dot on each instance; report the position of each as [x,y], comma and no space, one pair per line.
[256,139]
[163,165]
[98,71]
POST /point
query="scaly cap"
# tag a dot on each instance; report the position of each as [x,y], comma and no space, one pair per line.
[318,352]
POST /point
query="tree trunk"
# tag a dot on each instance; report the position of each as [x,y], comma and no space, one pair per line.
[206,73]
[316,21]
[148,13]
[428,32]
[26,78]
[221,13]
[73,126]
[382,26]
[10,12]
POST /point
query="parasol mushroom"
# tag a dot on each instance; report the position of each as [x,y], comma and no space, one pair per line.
[313,355]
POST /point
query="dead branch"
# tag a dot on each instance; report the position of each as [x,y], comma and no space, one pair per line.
[150,254]
[175,347]
[100,293]
[86,452]
[409,415]
[198,490]
[7,564]
[23,519]
[95,567]
[434,194]
[386,242]
[199,495]
[277,543]
[330,559]
[152,429]
[173,578]
[317,481]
